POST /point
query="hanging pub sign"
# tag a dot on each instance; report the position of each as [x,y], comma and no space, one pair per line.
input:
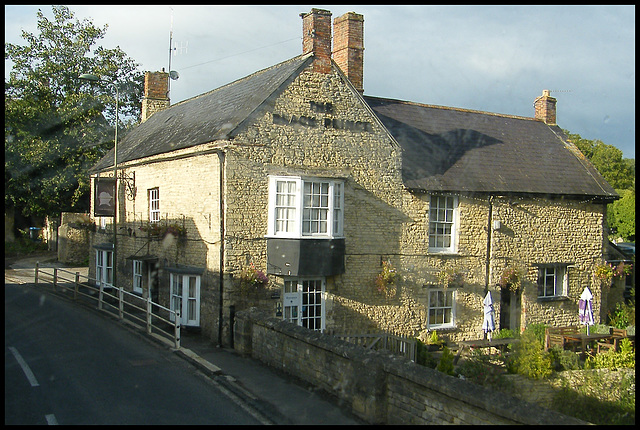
[104,202]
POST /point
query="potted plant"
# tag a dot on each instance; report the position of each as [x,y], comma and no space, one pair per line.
[434,343]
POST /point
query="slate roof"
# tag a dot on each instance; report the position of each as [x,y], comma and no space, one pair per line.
[444,149]
[457,150]
[211,116]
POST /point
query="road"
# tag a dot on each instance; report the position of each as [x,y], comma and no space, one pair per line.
[66,365]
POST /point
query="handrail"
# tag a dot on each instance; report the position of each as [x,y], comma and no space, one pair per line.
[125,305]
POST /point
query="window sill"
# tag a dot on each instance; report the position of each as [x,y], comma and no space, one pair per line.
[553,299]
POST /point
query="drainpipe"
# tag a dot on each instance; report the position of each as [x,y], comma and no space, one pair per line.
[221,161]
[488,259]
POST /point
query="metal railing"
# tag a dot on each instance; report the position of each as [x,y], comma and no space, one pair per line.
[389,342]
[129,306]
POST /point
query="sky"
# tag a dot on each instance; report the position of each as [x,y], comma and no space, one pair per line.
[488,58]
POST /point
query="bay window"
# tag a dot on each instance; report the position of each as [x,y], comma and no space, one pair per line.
[305,207]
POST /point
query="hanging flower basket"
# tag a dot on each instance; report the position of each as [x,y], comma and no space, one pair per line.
[510,279]
[607,272]
[385,281]
[253,279]
[450,277]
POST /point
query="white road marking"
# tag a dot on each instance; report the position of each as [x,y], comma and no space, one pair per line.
[51,420]
[25,367]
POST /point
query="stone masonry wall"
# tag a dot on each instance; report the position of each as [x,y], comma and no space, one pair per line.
[319,127]
[380,388]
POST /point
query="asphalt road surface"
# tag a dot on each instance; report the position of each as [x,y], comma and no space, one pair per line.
[67,365]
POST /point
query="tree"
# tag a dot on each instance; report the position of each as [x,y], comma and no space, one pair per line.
[56,126]
[621,174]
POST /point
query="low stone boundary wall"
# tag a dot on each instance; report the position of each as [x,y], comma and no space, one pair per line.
[380,388]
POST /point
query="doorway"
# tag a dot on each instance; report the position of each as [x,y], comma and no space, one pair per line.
[510,308]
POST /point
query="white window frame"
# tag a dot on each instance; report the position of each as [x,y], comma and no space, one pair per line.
[443,223]
[154,204]
[439,309]
[104,268]
[302,306]
[553,281]
[293,211]
[137,276]
[179,290]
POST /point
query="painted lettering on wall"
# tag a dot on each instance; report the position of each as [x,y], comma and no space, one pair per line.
[322,108]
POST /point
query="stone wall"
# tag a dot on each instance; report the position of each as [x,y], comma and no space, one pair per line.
[319,127]
[380,388]
[74,238]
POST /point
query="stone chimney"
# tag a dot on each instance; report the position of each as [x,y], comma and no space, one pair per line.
[348,47]
[316,38]
[156,90]
[545,108]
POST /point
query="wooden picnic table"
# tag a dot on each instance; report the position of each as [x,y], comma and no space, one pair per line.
[500,344]
[584,339]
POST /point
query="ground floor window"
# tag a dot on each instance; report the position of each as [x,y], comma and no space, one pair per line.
[441,308]
[185,297]
[104,268]
[303,302]
[552,281]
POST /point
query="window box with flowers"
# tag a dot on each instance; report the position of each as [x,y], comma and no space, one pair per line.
[161,230]
[511,279]
[385,282]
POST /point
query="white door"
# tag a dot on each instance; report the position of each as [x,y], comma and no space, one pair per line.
[303,302]
[185,296]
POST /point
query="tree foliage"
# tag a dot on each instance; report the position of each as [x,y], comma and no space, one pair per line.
[621,174]
[57,126]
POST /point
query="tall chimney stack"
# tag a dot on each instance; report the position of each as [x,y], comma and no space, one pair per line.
[545,108]
[316,38]
[348,47]
[156,90]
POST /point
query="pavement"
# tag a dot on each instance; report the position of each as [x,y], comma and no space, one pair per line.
[268,394]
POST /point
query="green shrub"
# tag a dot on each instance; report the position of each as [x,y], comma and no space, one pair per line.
[612,359]
[446,362]
[504,333]
[529,358]
[562,359]
[477,368]
[423,356]
[537,330]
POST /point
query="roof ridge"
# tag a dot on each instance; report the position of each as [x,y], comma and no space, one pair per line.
[408,102]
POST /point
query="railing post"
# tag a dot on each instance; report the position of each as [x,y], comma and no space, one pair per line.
[148,314]
[100,295]
[177,329]
[55,279]
[36,272]
[76,286]
[120,303]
